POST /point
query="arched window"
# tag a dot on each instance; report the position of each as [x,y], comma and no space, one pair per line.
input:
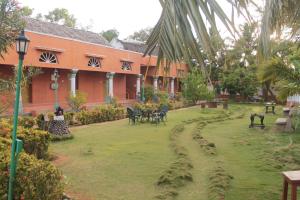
[48,57]
[126,66]
[94,62]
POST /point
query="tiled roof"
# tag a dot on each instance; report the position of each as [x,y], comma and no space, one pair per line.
[136,46]
[64,31]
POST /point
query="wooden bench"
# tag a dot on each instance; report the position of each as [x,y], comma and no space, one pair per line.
[293,178]
[284,124]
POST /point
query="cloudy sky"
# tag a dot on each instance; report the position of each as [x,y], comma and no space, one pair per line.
[126,16]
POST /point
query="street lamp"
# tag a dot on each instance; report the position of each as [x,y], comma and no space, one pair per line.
[54,86]
[16,146]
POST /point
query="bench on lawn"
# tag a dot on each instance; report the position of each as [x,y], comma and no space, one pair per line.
[284,124]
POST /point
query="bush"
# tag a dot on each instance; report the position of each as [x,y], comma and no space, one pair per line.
[27,122]
[195,87]
[69,117]
[101,114]
[35,179]
[36,142]
[77,101]
[148,93]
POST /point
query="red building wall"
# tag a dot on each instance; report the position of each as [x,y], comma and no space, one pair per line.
[93,84]
[120,86]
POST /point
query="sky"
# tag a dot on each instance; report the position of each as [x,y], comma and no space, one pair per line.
[127,16]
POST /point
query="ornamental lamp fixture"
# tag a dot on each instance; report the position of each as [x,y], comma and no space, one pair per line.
[22,43]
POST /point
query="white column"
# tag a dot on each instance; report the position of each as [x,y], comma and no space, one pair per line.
[138,86]
[110,77]
[73,81]
[155,84]
[172,92]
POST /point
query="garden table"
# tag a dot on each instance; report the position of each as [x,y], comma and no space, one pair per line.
[293,178]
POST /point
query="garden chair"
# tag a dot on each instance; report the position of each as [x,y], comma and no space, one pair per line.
[163,112]
[156,117]
[133,115]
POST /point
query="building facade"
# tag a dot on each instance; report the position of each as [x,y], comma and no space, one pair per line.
[86,62]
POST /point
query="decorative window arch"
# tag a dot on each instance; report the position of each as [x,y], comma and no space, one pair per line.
[48,57]
[126,65]
[94,62]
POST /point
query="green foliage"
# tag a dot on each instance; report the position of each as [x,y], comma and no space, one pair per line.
[100,114]
[26,11]
[242,81]
[35,179]
[77,101]
[27,121]
[195,88]
[11,24]
[163,97]
[36,142]
[110,34]
[283,69]
[148,93]
[141,35]
[61,15]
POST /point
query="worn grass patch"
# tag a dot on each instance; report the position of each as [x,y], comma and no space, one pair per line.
[179,172]
[219,182]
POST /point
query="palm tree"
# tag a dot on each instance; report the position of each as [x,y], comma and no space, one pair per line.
[282,68]
[279,15]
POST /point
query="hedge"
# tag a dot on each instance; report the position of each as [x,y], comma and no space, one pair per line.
[100,114]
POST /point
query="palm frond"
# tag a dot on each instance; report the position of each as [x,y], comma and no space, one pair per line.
[183,29]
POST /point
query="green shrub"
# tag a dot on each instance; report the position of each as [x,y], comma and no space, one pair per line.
[77,101]
[69,117]
[36,142]
[148,93]
[27,122]
[101,114]
[35,179]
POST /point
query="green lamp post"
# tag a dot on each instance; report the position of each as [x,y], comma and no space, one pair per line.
[54,86]
[16,146]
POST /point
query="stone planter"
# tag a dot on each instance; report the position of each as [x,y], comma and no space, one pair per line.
[212,104]
[202,105]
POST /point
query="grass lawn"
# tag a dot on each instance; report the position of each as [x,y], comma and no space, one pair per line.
[118,161]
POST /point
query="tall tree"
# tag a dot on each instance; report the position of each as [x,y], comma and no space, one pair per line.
[141,35]
[110,34]
[27,11]
[61,16]
[10,24]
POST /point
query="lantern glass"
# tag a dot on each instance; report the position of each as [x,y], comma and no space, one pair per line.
[22,43]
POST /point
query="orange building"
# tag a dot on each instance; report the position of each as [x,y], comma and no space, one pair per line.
[85,61]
